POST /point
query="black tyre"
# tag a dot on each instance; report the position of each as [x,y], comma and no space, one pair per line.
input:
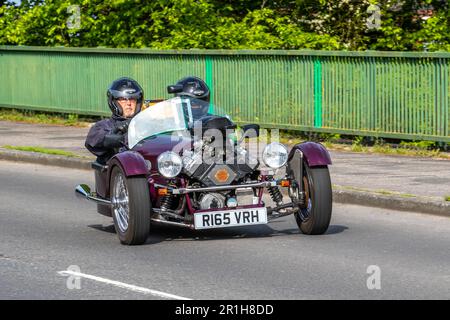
[314,218]
[130,207]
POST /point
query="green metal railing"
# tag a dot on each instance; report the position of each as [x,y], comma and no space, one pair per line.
[383,94]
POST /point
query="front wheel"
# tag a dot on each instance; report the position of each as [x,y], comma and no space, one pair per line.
[315,216]
[131,207]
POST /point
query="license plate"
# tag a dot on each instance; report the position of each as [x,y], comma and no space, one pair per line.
[230,218]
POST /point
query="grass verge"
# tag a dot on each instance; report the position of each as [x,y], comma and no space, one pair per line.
[43,150]
[389,193]
[378,191]
[361,144]
[335,142]
[28,116]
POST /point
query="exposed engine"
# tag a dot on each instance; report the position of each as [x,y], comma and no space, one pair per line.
[209,164]
[211,201]
[215,158]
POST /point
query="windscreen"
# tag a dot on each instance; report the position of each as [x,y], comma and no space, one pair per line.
[175,114]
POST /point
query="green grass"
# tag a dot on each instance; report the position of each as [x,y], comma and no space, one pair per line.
[447,198]
[367,145]
[409,149]
[379,191]
[44,117]
[289,137]
[42,150]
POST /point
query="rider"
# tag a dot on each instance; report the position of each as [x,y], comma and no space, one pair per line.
[125,97]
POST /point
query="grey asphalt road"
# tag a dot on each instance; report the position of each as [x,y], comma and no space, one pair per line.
[44,229]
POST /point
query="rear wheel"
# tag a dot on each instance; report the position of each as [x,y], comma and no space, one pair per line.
[130,207]
[315,216]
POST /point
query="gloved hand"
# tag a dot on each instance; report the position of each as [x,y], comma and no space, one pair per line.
[113,140]
[121,127]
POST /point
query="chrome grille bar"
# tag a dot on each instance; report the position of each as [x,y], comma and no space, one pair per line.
[222,188]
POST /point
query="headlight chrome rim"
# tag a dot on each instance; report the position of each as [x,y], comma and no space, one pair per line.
[176,162]
[272,162]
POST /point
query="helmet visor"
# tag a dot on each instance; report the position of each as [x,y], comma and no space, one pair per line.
[127,94]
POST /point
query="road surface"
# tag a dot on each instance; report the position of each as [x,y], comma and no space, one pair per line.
[45,229]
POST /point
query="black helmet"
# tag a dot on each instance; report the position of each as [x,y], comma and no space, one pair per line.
[124,88]
[194,87]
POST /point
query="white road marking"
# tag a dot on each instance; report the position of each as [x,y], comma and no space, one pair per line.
[123,285]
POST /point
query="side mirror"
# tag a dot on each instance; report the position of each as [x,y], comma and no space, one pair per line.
[251,130]
[176,88]
[113,141]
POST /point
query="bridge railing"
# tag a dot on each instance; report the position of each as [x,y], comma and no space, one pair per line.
[385,94]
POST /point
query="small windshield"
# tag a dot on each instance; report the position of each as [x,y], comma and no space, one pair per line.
[175,114]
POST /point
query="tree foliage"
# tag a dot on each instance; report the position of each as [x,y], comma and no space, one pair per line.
[228,24]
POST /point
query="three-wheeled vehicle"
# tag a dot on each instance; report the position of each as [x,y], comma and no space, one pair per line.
[186,165]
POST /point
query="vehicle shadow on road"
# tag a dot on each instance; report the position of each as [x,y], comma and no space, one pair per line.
[100,227]
[169,233]
[160,233]
[335,229]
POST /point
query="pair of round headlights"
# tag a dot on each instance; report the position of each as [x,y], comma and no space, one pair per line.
[170,164]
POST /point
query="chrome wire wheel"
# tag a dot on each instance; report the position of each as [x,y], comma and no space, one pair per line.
[130,206]
[120,202]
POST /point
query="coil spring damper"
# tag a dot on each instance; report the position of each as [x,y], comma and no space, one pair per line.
[166,202]
[276,195]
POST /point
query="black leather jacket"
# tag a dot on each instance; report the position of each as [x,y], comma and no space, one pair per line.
[96,136]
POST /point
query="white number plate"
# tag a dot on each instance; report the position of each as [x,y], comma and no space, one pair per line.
[230,218]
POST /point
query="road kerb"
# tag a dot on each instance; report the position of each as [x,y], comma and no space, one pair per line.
[395,202]
[45,159]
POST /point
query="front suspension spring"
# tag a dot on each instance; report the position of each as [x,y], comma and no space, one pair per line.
[166,202]
[276,195]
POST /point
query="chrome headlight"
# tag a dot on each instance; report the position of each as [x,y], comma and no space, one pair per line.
[275,155]
[169,164]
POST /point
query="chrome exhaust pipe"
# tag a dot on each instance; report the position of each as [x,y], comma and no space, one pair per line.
[83,191]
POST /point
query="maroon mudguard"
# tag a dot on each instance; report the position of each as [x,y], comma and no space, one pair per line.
[132,163]
[314,154]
